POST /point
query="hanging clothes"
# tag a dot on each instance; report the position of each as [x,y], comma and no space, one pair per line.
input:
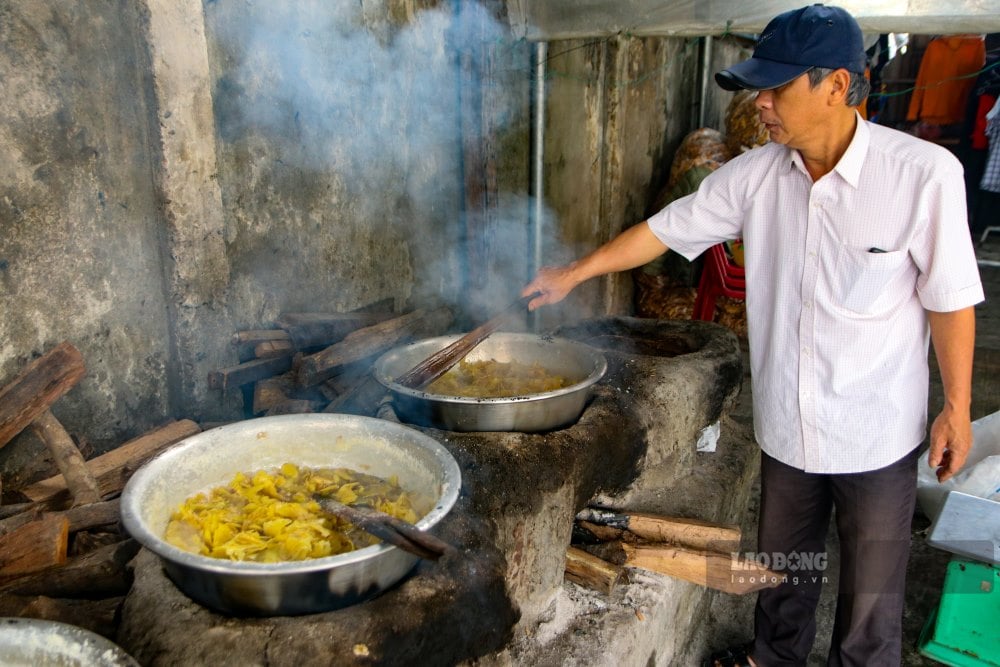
[991,174]
[945,79]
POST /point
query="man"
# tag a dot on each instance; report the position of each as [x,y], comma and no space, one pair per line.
[856,245]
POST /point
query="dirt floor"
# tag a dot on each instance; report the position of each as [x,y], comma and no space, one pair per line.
[731,617]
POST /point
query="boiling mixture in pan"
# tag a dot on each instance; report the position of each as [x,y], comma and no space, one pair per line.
[270,517]
[495,379]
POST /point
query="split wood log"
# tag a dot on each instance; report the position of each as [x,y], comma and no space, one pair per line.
[361,399]
[315,329]
[590,571]
[369,341]
[249,371]
[98,616]
[84,517]
[293,406]
[35,546]
[37,387]
[254,337]
[81,484]
[724,572]
[270,392]
[14,509]
[101,573]
[634,526]
[87,541]
[272,349]
[112,470]
[347,377]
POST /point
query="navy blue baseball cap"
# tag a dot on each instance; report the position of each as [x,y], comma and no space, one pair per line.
[793,43]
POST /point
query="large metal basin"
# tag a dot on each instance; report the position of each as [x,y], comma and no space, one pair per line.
[29,642]
[425,469]
[534,412]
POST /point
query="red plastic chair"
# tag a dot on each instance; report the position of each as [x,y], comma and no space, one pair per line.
[719,277]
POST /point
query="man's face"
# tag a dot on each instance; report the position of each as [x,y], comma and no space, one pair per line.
[793,113]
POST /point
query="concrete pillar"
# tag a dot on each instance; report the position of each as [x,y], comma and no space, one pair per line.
[197,271]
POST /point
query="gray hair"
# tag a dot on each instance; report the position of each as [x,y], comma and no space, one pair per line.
[857,89]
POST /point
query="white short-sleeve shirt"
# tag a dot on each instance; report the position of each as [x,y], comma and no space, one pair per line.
[839,273]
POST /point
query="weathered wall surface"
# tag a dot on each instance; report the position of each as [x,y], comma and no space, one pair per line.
[80,218]
[618,108]
[177,170]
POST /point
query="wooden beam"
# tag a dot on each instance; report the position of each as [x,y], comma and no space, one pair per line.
[37,387]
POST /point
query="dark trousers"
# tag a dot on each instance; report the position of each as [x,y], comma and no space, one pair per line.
[873,512]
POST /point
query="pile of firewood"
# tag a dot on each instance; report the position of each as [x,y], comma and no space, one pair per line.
[605,543]
[63,554]
[321,362]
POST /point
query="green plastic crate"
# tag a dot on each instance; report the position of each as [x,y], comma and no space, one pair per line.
[965,630]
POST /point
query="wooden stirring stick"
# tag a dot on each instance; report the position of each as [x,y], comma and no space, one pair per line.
[388,528]
[437,364]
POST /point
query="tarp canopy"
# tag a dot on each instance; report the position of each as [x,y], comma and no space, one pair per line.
[545,20]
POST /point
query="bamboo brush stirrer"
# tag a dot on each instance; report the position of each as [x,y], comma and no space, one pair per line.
[440,362]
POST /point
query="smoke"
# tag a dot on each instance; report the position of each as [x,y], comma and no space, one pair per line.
[336,86]
[361,103]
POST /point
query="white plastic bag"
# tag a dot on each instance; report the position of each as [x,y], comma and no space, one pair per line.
[979,477]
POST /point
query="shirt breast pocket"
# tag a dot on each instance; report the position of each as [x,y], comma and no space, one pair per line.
[862,276]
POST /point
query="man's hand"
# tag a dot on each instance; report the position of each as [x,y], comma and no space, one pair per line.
[633,247]
[553,283]
[954,336]
[951,440]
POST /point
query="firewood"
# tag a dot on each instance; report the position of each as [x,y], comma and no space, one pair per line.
[81,484]
[314,329]
[87,541]
[691,533]
[85,517]
[255,337]
[34,546]
[101,573]
[272,349]
[347,377]
[112,470]
[104,513]
[724,572]
[7,511]
[248,371]
[361,399]
[590,571]
[98,616]
[292,406]
[370,341]
[37,387]
[606,533]
[270,392]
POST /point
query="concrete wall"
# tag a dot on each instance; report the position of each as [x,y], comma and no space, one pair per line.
[81,220]
[618,108]
[176,170]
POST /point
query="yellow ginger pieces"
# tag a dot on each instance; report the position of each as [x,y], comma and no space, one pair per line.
[271,517]
[496,379]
